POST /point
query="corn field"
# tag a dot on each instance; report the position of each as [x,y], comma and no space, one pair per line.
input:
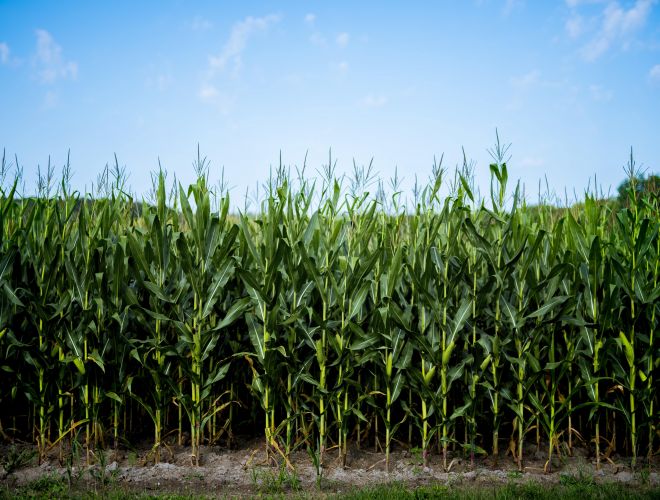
[328,317]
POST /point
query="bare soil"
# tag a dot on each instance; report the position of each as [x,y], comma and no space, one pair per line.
[245,472]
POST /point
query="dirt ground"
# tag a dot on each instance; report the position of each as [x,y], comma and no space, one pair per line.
[244,471]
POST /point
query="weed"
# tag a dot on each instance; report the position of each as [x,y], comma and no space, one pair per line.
[267,481]
[514,474]
[17,459]
[644,475]
[579,479]
[416,456]
[49,486]
[132,458]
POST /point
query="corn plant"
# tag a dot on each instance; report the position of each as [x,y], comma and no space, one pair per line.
[638,234]
[331,315]
[263,282]
[205,253]
[156,272]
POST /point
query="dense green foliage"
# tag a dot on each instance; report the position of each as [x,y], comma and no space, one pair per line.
[329,317]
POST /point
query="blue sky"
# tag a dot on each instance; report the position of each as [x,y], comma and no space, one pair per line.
[571,84]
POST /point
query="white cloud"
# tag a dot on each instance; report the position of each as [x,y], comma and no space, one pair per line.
[231,55]
[51,65]
[341,67]
[574,26]
[654,74]
[532,162]
[527,80]
[240,34]
[310,18]
[343,39]
[212,96]
[207,92]
[318,39]
[599,93]
[4,53]
[576,3]
[200,24]
[617,25]
[374,101]
[160,81]
[511,5]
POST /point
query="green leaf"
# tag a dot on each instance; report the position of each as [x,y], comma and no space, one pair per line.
[220,374]
[11,295]
[96,358]
[235,311]
[219,280]
[397,385]
[548,306]
[256,337]
[357,300]
[114,395]
[460,317]
[365,343]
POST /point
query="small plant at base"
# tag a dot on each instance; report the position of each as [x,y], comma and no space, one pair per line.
[16,459]
[290,479]
[514,474]
[194,476]
[132,458]
[644,475]
[316,460]
[73,473]
[49,486]
[266,481]
[416,456]
[579,479]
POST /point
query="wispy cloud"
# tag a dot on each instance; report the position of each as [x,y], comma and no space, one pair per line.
[318,39]
[4,53]
[231,57]
[527,80]
[207,92]
[343,39]
[601,94]
[159,81]
[49,61]
[511,5]
[374,101]
[617,25]
[535,84]
[576,3]
[200,24]
[574,25]
[215,97]
[240,34]
[532,162]
[341,67]
[654,73]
